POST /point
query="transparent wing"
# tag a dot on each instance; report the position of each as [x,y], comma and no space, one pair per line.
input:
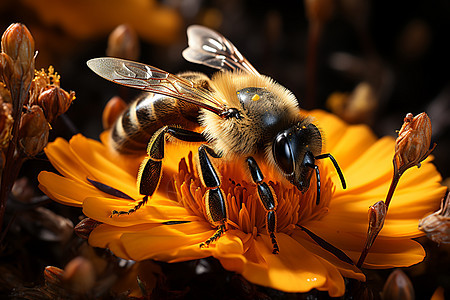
[151,79]
[210,48]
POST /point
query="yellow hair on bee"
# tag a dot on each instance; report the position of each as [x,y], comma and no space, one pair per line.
[237,138]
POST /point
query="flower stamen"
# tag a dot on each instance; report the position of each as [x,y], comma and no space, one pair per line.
[245,211]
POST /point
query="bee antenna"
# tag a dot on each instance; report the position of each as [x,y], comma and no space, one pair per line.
[336,165]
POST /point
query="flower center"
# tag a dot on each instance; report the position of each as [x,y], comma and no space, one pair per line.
[245,210]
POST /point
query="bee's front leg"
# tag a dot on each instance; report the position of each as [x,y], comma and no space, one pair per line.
[268,200]
[150,171]
[216,206]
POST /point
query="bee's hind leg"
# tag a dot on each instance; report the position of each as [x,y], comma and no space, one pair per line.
[150,170]
[216,206]
[268,200]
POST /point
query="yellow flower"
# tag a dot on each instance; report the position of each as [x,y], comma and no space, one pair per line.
[316,241]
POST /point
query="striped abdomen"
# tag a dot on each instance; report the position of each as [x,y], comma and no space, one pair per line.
[134,128]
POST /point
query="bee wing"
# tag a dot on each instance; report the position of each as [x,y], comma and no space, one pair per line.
[151,79]
[210,48]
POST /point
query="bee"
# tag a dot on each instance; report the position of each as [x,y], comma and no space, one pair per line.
[238,114]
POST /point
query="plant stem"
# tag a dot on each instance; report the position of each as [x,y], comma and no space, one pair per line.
[314,33]
[12,162]
[371,236]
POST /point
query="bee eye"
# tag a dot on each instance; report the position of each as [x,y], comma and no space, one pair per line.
[283,154]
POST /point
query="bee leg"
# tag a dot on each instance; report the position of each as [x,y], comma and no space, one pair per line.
[268,200]
[150,171]
[216,207]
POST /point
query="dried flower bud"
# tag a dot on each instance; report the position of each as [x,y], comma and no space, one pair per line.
[6,69]
[437,225]
[413,143]
[112,111]
[377,214]
[85,227]
[18,44]
[53,275]
[33,131]
[54,102]
[319,10]
[123,42]
[22,190]
[398,287]
[79,275]
[6,124]
[43,81]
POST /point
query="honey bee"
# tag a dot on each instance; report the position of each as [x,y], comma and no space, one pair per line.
[238,114]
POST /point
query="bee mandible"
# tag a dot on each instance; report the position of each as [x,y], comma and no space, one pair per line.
[238,114]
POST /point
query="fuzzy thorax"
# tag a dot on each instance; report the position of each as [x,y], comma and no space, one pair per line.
[262,115]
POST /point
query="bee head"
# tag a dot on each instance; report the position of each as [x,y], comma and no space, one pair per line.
[294,151]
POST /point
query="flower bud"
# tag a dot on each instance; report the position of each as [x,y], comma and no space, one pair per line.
[18,43]
[79,275]
[85,227]
[6,69]
[398,287]
[54,102]
[437,224]
[123,42]
[6,123]
[53,275]
[22,190]
[377,214]
[33,131]
[413,143]
[112,111]
[17,59]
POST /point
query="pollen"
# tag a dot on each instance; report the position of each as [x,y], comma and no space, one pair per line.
[255,97]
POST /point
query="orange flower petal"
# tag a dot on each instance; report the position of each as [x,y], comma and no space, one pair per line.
[346,269]
[170,243]
[335,284]
[91,157]
[294,269]
[106,236]
[59,153]
[55,187]
[387,252]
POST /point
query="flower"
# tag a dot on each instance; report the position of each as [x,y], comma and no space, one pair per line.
[317,242]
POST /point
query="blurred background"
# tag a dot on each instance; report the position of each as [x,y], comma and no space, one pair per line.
[320,50]
[367,61]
